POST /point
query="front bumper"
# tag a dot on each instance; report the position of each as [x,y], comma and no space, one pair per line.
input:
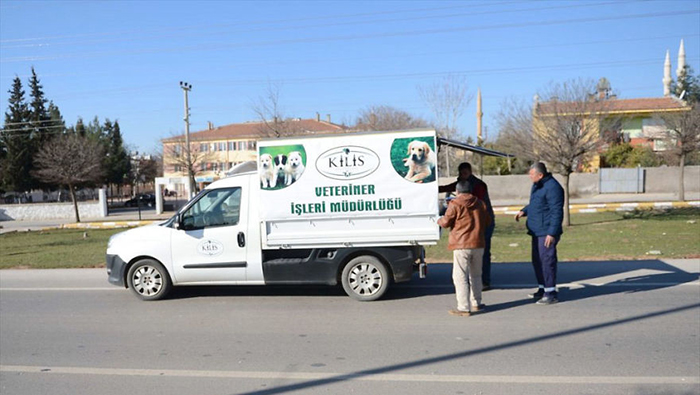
[115,270]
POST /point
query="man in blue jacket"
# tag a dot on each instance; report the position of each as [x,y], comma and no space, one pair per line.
[544,217]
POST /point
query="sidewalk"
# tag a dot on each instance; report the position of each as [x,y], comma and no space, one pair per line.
[591,204]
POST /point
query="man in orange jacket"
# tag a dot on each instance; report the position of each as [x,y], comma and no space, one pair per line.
[468,217]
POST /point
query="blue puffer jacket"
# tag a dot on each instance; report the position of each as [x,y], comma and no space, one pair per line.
[546,209]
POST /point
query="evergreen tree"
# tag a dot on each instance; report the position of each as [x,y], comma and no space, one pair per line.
[38,115]
[688,83]
[94,130]
[118,164]
[79,128]
[58,125]
[16,137]
[39,122]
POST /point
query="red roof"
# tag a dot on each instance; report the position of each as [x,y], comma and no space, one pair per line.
[256,130]
[623,105]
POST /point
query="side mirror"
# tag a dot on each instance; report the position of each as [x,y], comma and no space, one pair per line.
[177,224]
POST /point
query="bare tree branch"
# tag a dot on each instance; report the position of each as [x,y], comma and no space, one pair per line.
[70,160]
[447,99]
[175,155]
[683,138]
[384,118]
[563,129]
[273,122]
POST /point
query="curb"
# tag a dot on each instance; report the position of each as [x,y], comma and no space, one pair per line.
[600,207]
[107,225]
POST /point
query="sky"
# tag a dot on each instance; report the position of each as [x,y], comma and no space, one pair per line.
[124,60]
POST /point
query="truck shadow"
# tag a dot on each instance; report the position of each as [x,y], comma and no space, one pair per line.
[577,280]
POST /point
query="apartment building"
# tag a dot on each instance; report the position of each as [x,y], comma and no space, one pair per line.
[217,149]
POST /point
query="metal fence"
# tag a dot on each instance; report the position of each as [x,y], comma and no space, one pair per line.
[621,180]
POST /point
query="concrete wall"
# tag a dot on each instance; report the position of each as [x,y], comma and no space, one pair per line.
[665,179]
[656,180]
[42,211]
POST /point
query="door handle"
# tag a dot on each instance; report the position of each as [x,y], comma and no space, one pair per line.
[241,239]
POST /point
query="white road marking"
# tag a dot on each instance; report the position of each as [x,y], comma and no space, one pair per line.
[61,289]
[224,374]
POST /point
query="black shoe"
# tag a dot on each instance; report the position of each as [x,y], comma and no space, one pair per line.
[536,295]
[479,308]
[548,299]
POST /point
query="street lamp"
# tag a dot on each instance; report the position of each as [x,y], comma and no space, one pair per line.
[185,89]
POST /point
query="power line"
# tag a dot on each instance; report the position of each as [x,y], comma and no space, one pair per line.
[181,49]
[198,27]
[350,23]
[305,80]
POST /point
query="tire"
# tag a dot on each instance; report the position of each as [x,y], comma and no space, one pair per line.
[149,280]
[365,278]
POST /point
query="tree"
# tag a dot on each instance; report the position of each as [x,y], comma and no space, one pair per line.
[272,121]
[175,156]
[687,85]
[621,155]
[39,116]
[57,124]
[118,163]
[447,99]
[563,130]
[16,137]
[385,118]
[71,161]
[683,138]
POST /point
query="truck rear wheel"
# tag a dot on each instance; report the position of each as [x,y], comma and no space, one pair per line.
[149,280]
[365,278]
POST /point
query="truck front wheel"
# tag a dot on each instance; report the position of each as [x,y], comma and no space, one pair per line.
[365,278]
[149,280]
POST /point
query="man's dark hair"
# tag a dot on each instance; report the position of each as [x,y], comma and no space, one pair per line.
[540,168]
[464,186]
[464,165]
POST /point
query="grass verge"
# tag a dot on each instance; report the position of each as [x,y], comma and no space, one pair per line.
[599,236]
[60,248]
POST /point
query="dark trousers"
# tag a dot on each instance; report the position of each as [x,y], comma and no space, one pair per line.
[486,261]
[544,261]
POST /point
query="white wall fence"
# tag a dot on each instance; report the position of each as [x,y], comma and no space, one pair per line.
[44,211]
[656,180]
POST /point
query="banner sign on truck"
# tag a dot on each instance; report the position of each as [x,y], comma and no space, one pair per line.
[388,174]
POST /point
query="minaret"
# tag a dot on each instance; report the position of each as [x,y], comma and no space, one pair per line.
[479,116]
[667,75]
[681,61]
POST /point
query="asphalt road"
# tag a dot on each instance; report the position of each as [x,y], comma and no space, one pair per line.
[621,328]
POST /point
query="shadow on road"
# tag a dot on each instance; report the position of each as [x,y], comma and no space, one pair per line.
[591,279]
[464,354]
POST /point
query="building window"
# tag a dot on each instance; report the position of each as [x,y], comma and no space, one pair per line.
[252,145]
[204,147]
[222,146]
[177,168]
[242,145]
[230,165]
[177,149]
[202,166]
[231,145]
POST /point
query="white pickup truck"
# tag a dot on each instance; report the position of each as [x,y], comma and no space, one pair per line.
[354,209]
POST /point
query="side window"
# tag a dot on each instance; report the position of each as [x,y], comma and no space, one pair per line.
[218,207]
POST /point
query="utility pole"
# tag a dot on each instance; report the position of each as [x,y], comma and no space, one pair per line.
[185,89]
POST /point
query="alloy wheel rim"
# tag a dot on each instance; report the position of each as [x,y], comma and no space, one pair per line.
[365,279]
